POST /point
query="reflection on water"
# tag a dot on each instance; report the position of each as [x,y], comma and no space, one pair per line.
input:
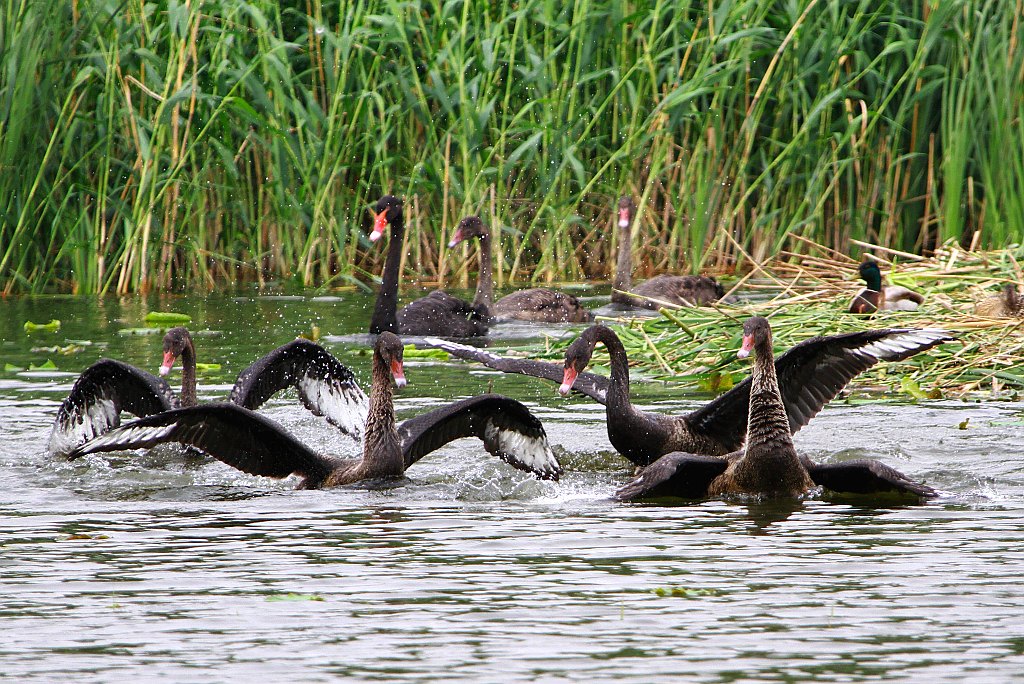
[154,566]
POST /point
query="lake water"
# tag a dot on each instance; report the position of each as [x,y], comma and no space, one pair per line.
[146,567]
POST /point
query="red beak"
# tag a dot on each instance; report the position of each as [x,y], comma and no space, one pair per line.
[623,217]
[746,347]
[165,367]
[380,221]
[567,380]
[456,239]
[396,370]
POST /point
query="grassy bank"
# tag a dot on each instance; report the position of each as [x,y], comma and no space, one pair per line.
[152,145]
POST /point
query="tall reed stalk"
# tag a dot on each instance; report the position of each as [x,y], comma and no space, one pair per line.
[191,143]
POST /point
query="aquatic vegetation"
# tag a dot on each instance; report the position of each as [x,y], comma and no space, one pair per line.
[168,318]
[807,295]
[214,142]
[52,326]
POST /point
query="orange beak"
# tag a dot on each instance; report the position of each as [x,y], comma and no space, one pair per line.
[567,380]
[380,221]
[399,373]
[746,348]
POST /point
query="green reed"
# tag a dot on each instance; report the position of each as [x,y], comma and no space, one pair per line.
[155,145]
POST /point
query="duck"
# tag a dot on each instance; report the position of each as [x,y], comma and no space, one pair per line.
[662,289]
[439,313]
[810,374]
[258,445]
[536,304]
[1006,304]
[875,297]
[768,465]
[108,387]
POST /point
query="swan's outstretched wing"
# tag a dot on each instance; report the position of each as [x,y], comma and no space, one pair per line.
[325,386]
[866,477]
[810,375]
[687,476]
[590,384]
[97,398]
[239,437]
[507,428]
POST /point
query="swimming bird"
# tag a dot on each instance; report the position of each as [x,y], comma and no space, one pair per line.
[108,387]
[259,446]
[768,465]
[537,304]
[439,313]
[810,374]
[875,297]
[654,293]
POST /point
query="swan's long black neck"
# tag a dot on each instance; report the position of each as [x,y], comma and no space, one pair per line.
[770,462]
[382,450]
[385,310]
[618,387]
[484,299]
[188,376]
[623,280]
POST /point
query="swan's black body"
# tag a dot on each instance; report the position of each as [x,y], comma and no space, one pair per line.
[259,446]
[768,465]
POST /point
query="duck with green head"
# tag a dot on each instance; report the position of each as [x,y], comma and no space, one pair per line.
[875,296]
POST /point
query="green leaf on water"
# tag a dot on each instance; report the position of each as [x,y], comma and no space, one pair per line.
[52,326]
[910,386]
[47,365]
[168,317]
[715,382]
[411,352]
[207,367]
[294,597]
[11,368]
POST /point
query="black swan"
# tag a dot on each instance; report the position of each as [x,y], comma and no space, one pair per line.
[534,304]
[811,373]
[888,298]
[108,387]
[439,313]
[659,290]
[256,445]
[1006,304]
[768,465]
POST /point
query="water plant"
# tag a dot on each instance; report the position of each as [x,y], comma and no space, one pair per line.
[149,146]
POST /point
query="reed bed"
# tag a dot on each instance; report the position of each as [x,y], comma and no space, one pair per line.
[148,145]
[808,295]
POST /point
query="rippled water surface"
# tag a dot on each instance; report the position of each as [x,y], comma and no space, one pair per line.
[151,567]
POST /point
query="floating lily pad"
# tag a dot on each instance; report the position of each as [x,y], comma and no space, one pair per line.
[411,352]
[295,597]
[11,368]
[168,317]
[207,367]
[52,326]
[47,365]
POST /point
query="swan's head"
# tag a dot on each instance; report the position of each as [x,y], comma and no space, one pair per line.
[626,210]
[577,357]
[469,227]
[757,331]
[387,210]
[176,341]
[390,350]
